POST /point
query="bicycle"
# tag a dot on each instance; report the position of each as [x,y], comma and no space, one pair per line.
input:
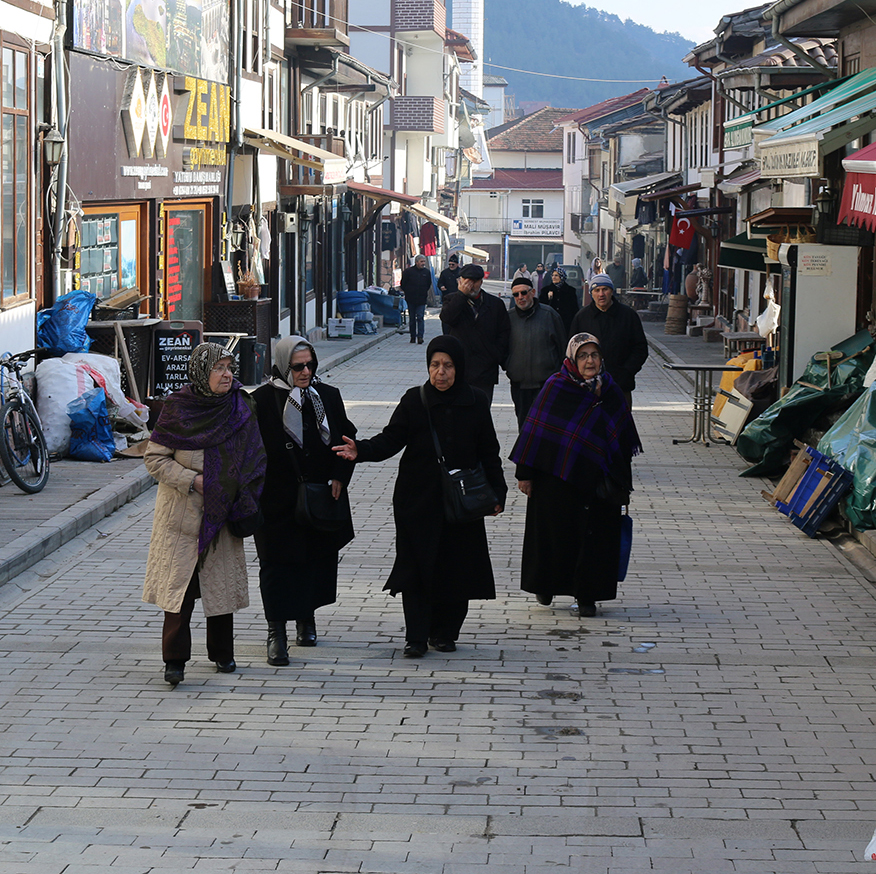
[23,447]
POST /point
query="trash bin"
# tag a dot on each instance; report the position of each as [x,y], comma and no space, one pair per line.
[251,356]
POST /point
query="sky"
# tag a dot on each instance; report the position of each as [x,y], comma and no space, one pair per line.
[694,19]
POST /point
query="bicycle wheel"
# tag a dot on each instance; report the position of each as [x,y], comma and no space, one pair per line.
[23,447]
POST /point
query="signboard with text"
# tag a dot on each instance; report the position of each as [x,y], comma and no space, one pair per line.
[537,227]
[786,159]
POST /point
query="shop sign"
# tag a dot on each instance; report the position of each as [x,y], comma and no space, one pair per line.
[197,183]
[858,206]
[173,349]
[208,112]
[540,227]
[790,159]
[134,111]
[738,136]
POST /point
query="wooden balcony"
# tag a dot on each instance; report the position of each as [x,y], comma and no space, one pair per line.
[316,23]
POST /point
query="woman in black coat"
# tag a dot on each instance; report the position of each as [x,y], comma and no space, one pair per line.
[439,566]
[559,295]
[300,419]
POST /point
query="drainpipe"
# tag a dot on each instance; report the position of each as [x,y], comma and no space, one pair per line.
[61,177]
[825,71]
[237,141]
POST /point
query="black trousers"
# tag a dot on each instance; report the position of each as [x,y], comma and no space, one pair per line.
[523,398]
[426,619]
[176,636]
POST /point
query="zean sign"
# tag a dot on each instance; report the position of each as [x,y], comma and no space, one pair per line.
[790,159]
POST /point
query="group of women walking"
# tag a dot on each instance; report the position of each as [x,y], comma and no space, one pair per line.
[276,464]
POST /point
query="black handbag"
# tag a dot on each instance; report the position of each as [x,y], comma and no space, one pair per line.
[316,508]
[468,495]
[611,490]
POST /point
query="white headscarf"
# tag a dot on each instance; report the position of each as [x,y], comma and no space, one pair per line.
[292,421]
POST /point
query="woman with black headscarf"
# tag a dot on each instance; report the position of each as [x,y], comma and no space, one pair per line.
[207,456]
[573,460]
[439,566]
[559,295]
[300,418]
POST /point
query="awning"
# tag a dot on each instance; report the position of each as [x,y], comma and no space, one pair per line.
[858,205]
[431,215]
[620,190]
[666,193]
[474,252]
[333,167]
[376,193]
[738,131]
[734,184]
[800,139]
[741,253]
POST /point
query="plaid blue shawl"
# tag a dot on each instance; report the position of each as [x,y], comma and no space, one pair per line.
[570,428]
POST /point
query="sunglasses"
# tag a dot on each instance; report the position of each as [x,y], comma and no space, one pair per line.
[521,293]
[299,367]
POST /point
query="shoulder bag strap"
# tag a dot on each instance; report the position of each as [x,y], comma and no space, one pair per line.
[431,426]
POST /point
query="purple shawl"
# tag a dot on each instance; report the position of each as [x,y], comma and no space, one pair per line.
[570,428]
[225,428]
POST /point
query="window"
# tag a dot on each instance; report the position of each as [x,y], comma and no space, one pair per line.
[111,254]
[851,64]
[14,203]
[533,208]
[570,148]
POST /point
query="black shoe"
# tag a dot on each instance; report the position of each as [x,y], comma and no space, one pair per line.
[415,650]
[227,667]
[305,632]
[586,609]
[443,645]
[278,654]
[413,340]
[544,600]
[420,341]
[174,672]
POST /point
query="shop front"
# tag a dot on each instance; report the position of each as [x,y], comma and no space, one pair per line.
[148,173]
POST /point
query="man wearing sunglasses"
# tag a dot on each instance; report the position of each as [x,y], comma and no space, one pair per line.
[537,346]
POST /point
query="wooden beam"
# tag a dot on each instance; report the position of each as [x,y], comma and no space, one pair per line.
[368,220]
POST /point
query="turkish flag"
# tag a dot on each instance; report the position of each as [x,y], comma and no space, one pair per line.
[682,233]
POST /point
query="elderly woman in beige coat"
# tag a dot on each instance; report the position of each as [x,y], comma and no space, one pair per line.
[207,455]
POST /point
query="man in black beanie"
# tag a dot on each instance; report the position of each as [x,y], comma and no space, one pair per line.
[447,280]
[480,322]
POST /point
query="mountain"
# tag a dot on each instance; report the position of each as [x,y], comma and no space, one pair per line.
[552,36]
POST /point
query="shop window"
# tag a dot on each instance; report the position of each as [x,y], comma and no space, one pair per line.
[187,248]
[110,250]
[15,219]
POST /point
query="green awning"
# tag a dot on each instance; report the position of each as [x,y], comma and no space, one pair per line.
[742,253]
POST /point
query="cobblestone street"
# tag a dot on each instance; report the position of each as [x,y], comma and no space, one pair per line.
[713,719]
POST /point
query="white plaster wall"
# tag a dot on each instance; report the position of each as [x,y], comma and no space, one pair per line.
[502,158]
[18,328]
[25,24]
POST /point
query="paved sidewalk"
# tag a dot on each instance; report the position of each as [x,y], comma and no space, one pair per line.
[80,494]
[717,717]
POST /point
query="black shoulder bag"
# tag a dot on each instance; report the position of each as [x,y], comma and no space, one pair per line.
[468,495]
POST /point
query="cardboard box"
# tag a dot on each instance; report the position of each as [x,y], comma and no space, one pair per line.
[340,329]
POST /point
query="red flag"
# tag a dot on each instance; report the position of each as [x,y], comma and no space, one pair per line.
[682,233]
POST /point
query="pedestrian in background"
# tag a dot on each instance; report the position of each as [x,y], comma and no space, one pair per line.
[621,336]
[415,283]
[439,566]
[638,278]
[536,348]
[560,296]
[300,418]
[207,456]
[538,277]
[480,322]
[447,279]
[573,460]
[617,272]
[521,271]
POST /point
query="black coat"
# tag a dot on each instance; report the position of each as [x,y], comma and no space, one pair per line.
[485,338]
[564,301]
[448,281]
[415,283]
[293,558]
[621,338]
[432,555]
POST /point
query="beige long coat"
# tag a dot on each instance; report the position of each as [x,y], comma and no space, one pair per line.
[173,548]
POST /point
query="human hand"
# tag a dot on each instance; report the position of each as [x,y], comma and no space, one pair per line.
[199,484]
[499,508]
[348,451]
[525,486]
[337,488]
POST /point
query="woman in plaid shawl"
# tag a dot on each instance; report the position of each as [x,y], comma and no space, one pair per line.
[573,463]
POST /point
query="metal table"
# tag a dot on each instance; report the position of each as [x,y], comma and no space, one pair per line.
[702,401]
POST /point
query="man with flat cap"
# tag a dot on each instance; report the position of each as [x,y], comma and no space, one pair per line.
[480,322]
[621,335]
[537,347]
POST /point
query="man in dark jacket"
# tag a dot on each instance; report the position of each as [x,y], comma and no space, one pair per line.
[617,272]
[480,322]
[415,283]
[619,328]
[447,280]
[536,349]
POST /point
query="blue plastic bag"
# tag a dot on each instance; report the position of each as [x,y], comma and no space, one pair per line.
[61,328]
[91,437]
[626,546]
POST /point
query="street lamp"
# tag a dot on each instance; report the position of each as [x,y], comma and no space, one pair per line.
[823,207]
[53,147]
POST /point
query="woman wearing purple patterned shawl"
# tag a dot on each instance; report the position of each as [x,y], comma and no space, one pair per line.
[206,453]
[573,460]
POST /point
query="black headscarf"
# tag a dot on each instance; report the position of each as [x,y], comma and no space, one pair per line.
[452,347]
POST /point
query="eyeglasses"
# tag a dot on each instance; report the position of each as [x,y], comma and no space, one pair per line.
[222,368]
[520,293]
[299,367]
[593,356]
